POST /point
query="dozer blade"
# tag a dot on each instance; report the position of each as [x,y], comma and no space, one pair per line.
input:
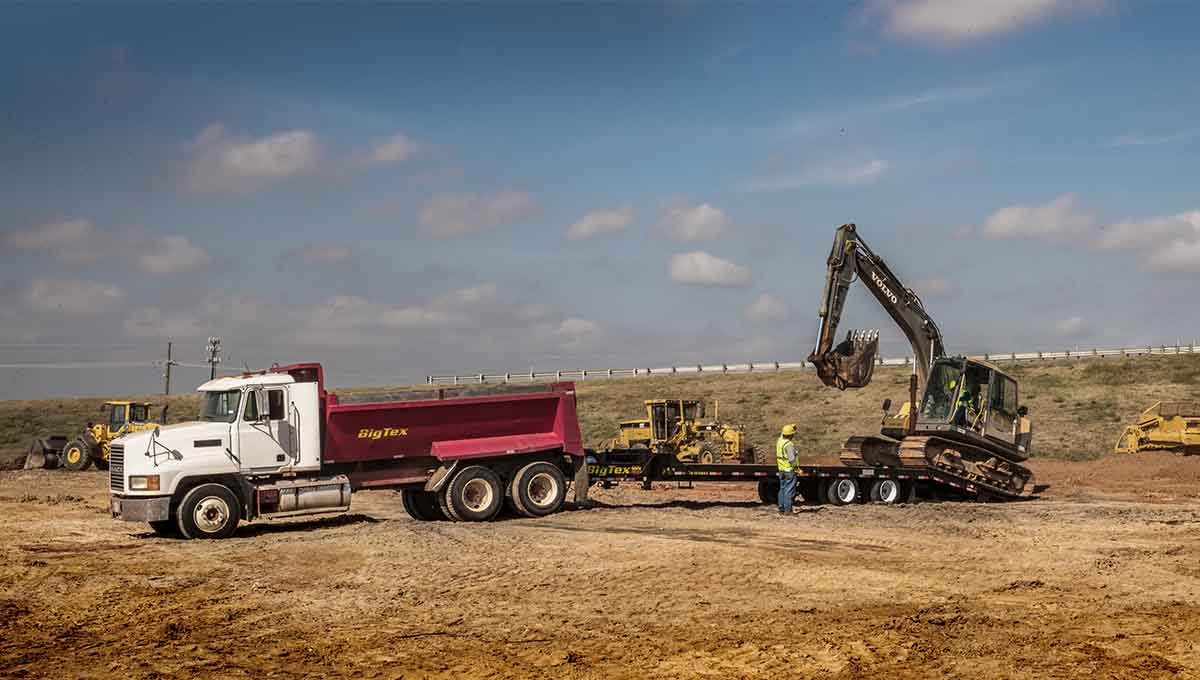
[851,363]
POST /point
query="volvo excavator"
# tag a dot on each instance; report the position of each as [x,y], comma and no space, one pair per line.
[967,422]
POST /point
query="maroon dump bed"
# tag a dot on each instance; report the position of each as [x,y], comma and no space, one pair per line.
[454,427]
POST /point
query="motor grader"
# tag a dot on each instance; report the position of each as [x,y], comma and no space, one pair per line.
[1165,426]
[91,447]
[679,427]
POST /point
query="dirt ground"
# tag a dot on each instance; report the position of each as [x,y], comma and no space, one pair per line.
[1098,578]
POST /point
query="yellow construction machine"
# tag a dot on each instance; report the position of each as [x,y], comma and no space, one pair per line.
[679,427]
[1165,426]
[91,447]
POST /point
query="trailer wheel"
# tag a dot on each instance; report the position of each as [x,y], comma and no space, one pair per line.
[422,506]
[813,492]
[77,455]
[843,491]
[887,491]
[473,495]
[209,511]
[538,489]
[768,491]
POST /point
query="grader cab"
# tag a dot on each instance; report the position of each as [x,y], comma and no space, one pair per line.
[680,427]
[91,447]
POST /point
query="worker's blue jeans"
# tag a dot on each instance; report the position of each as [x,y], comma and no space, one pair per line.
[787,490]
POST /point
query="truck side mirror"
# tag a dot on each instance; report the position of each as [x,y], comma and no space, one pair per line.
[887,405]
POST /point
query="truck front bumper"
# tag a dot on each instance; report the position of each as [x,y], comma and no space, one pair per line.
[140,509]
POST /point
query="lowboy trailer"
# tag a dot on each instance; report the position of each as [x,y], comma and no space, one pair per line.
[815,484]
[276,444]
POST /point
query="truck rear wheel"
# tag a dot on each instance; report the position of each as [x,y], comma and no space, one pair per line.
[768,491]
[209,511]
[77,455]
[843,491]
[538,489]
[475,494]
[422,506]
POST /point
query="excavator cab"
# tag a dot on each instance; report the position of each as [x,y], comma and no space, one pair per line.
[972,395]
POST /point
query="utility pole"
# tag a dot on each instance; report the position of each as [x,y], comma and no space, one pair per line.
[214,356]
[167,374]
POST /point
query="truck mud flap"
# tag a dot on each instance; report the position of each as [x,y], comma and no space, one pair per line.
[441,476]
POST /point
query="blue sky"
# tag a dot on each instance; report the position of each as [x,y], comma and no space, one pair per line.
[399,190]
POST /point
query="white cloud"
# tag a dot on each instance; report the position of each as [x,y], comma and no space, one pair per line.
[681,221]
[321,254]
[955,22]
[56,236]
[1153,139]
[153,322]
[577,333]
[171,254]
[599,222]
[1167,243]
[1062,219]
[395,149]
[936,288]
[473,295]
[1073,327]
[838,174]
[450,216]
[767,308]
[73,297]
[223,164]
[701,268]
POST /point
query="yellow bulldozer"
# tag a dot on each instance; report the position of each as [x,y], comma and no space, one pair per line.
[679,427]
[1165,426]
[91,447]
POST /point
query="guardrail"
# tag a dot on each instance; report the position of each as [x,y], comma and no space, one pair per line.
[778,366]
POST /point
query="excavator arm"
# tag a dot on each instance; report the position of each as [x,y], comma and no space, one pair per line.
[851,362]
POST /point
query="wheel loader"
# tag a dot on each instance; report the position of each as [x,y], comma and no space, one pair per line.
[1165,426]
[679,427]
[91,447]
[962,417]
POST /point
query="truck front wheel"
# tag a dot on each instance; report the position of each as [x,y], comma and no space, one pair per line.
[475,494]
[209,511]
[538,489]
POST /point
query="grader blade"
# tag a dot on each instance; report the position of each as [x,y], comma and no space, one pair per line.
[851,363]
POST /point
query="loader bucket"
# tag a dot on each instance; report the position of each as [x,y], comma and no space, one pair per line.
[45,453]
[851,363]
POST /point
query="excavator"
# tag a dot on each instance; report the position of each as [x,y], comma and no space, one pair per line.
[967,422]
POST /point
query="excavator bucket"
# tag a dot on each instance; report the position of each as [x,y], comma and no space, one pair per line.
[851,363]
[45,453]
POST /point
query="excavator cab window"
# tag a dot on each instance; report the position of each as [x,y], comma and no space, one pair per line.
[941,393]
[971,411]
[139,413]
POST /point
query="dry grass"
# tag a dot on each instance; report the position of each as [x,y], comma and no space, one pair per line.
[1078,407]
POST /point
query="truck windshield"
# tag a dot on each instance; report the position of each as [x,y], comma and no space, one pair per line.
[220,407]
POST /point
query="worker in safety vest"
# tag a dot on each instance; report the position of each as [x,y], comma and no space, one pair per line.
[1024,431]
[785,458]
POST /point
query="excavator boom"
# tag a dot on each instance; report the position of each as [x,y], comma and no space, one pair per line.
[850,363]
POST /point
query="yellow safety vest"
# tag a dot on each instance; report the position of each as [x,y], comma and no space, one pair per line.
[781,460]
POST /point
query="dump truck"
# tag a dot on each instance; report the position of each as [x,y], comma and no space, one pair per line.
[681,427]
[275,443]
[962,417]
[91,447]
[1165,426]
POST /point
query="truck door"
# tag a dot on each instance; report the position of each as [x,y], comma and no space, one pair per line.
[258,446]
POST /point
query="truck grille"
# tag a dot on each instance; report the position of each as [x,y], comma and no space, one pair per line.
[116,467]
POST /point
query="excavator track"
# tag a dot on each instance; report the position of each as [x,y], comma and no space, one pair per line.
[968,462]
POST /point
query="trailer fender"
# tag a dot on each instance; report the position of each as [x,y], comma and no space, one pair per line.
[441,476]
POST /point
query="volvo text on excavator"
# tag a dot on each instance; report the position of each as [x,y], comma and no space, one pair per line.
[967,422]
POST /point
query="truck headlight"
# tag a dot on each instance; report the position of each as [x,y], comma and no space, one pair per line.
[143,483]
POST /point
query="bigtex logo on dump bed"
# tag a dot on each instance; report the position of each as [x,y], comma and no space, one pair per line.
[382,432]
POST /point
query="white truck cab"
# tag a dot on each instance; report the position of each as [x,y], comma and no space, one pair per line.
[252,432]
